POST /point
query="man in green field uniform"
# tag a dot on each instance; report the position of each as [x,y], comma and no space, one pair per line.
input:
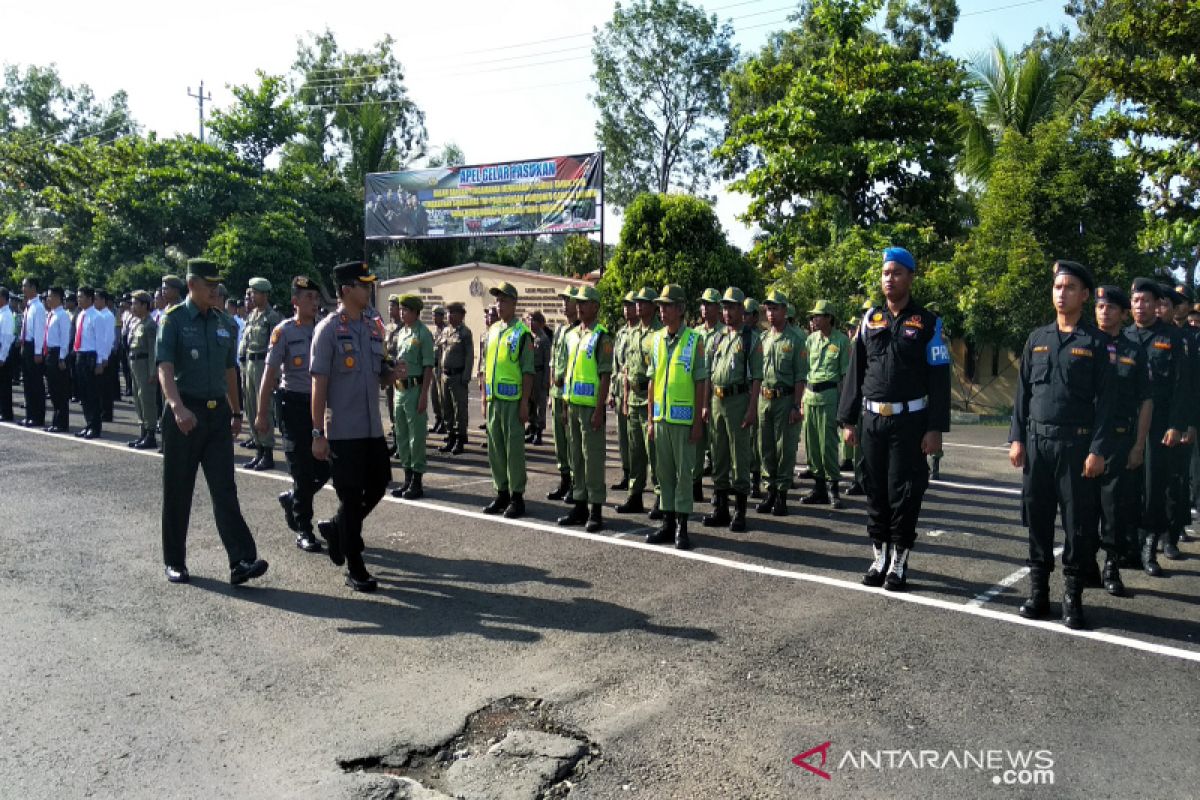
[710,327]
[507,381]
[618,399]
[195,353]
[641,445]
[414,347]
[558,406]
[588,379]
[436,399]
[457,359]
[751,322]
[735,361]
[678,389]
[143,333]
[256,341]
[785,369]
[828,359]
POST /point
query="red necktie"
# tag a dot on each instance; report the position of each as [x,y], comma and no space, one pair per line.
[46,336]
[79,329]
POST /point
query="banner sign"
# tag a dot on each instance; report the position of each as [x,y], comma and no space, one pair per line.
[514,198]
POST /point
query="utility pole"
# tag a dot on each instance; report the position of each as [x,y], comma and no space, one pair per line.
[200,98]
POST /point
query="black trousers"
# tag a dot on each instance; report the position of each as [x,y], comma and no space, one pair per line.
[87,384]
[895,475]
[361,471]
[294,412]
[1179,499]
[110,385]
[1119,502]
[7,366]
[33,378]
[1053,481]
[58,381]
[208,446]
[1161,489]
[125,370]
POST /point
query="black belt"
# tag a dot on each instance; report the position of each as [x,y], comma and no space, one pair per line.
[730,391]
[255,356]
[201,402]
[85,353]
[295,395]
[139,356]
[822,386]
[1058,431]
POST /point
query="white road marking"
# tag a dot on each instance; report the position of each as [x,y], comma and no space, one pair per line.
[464,483]
[967,608]
[976,446]
[994,592]
[977,487]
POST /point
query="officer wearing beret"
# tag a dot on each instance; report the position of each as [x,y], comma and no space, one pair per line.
[1169,380]
[828,351]
[736,368]
[643,465]
[256,340]
[899,383]
[1061,437]
[619,398]
[785,372]
[436,400]
[348,368]
[287,368]
[195,356]
[585,389]
[1181,513]
[142,335]
[457,360]
[710,327]
[508,379]
[414,348]
[558,368]
[1119,489]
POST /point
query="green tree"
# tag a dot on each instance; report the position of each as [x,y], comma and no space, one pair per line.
[271,245]
[658,67]
[261,120]
[449,155]
[36,106]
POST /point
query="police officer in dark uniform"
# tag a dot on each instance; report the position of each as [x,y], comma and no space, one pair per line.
[899,382]
[1164,348]
[287,356]
[1061,437]
[196,355]
[1181,505]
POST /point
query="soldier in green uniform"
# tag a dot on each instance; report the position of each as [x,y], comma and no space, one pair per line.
[751,322]
[736,370]
[414,348]
[436,398]
[619,398]
[678,389]
[457,360]
[642,460]
[588,380]
[710,327]
[256,340]
[828,359]
[507,380]
[785,369]
[143,333]
[558,411]
[390,331]
[195,353]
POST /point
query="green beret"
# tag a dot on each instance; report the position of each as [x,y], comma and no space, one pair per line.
[710,296]
[260,285]
[411,302]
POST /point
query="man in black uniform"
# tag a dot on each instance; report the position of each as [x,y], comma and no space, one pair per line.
[1120,492]
[287,357]
[1181,507]
[1164,349]
[196,355]
[899,381]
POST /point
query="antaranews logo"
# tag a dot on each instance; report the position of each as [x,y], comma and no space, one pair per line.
[1006,767]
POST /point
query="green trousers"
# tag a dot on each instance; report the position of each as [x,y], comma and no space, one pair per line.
[251,379]
[587,456]
[821,433]
[641,452]
[562,443]
[676,456]
[731,444]
[145,394]
[411,429]
[623,441]
[455,407]
[777,439]
[506,446]
[702,448]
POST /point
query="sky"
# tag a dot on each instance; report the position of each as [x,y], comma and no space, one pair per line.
[504,80]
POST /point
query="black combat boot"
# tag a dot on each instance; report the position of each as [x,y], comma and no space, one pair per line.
[738,524]
[448,447]
[656,513]
[767,503]
[719,517]
[289,512]
[1149,554]
[665,532]
[756,485]
[632,505]
[818,495]
[564,487]
[402,488]
[682,542]
[594,520]
[1112,578]
[835,495]
[1038,604]
[329,532]
[897,574]
[780,509]
[307,542]
[414,490]
[879,565]
[252,464]
[1170,546]
[578,515]
[501,501]
[516,506]
[460,446]
[266,461]
[698,491]
[1072,603]
[148,442]
[357,577]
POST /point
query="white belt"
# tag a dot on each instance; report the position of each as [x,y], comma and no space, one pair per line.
[888,409]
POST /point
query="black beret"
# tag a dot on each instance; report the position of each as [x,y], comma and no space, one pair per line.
[1077,270]
[1180,295]
[352,272]
[301,282]
[1148,285]
[1112,295]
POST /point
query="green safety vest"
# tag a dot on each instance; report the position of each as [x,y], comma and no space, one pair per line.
[674,387]
[583,371]
[503,371]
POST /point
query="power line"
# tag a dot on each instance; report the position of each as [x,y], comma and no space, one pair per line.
[200,98]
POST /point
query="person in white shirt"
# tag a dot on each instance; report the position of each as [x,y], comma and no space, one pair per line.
[54,351]
[8,335]
[88,367]
[33,366]
[107,346]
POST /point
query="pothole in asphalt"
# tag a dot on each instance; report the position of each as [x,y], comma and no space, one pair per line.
[516,748]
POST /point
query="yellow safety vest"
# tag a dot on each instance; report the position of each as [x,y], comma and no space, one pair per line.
[674,386]
[583,371]
[503,365]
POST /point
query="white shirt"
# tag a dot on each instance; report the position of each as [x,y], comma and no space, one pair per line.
[106,333]
[241,323]
[33,329]
[8,330]
[58,334]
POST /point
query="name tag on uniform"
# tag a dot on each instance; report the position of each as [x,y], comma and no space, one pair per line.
[1081,351]
[914,322]
[1161,345]
[681,413]
[223,332]
[1126,360]
[1041,348]
[583,389]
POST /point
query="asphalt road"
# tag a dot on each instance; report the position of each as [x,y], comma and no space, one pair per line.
[693,675]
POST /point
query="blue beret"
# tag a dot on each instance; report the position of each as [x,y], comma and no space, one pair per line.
[900,256]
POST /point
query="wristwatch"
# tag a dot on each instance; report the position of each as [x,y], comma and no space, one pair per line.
[317,433]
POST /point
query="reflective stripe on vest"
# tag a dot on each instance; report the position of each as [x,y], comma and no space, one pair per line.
[674,387]
[503,365]
[583,371]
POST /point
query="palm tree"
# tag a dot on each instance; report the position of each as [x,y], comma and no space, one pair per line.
[1017,92]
